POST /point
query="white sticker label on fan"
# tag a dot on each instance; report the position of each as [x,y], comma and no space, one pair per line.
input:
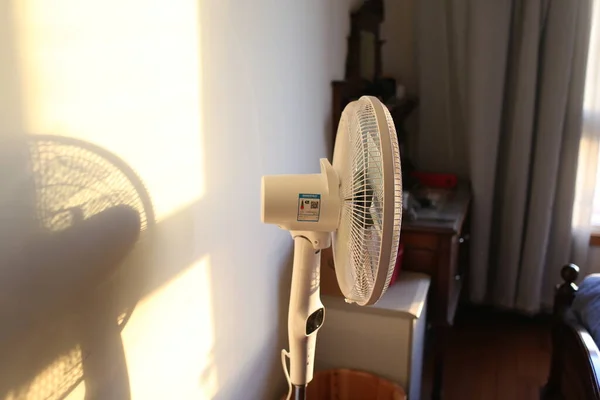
[309,207]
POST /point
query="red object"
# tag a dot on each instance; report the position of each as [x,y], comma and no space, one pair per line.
[398,265]
[445,181]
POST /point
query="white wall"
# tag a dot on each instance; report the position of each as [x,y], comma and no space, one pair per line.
[201,98]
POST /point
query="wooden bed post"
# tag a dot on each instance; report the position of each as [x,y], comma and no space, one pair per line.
[565,292]
[563,298]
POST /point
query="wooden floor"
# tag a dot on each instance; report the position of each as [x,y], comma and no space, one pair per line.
[495,356]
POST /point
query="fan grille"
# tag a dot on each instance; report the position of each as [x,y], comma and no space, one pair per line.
[358,241]
[397,196]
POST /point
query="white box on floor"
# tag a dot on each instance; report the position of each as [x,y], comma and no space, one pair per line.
[386,339]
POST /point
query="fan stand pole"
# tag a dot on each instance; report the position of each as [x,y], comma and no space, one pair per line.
[306,312]
[299,392]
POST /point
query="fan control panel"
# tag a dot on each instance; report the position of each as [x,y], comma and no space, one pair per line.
[315,320]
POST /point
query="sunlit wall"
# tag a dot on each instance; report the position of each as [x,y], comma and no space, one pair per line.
[200,98]
[121,74]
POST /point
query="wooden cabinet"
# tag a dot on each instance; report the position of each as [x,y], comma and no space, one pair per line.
[436,243]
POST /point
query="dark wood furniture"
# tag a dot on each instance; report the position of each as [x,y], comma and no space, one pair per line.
[364,76]
[363,62]
[436,243]
[575,365]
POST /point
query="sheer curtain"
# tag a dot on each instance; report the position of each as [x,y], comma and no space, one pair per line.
[586,212]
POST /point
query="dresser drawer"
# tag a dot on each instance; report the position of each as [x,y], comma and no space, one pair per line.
[419,260]
[437,255]
[417,240]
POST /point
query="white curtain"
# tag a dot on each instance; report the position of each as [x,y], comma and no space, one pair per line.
[502,88]
[588,180]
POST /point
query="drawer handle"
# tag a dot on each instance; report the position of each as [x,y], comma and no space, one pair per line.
[457,277]
[464,239]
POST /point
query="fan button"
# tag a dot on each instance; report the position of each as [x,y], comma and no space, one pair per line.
[314,321]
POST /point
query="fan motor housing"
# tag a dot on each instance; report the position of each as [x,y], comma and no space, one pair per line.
[308,202]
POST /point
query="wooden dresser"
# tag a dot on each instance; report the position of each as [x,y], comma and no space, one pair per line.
[436,243]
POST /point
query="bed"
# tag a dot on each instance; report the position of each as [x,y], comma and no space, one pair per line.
[575,363]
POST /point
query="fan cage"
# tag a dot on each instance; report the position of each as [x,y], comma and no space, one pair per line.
[363,198]
[397,196]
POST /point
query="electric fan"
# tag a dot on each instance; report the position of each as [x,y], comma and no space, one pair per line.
[354,205]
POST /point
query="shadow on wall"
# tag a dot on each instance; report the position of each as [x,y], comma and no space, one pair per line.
[71,213]
[80,247]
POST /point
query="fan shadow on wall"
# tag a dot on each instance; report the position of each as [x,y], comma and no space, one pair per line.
[59,320]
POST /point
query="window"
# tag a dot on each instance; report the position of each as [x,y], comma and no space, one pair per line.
[588,174]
